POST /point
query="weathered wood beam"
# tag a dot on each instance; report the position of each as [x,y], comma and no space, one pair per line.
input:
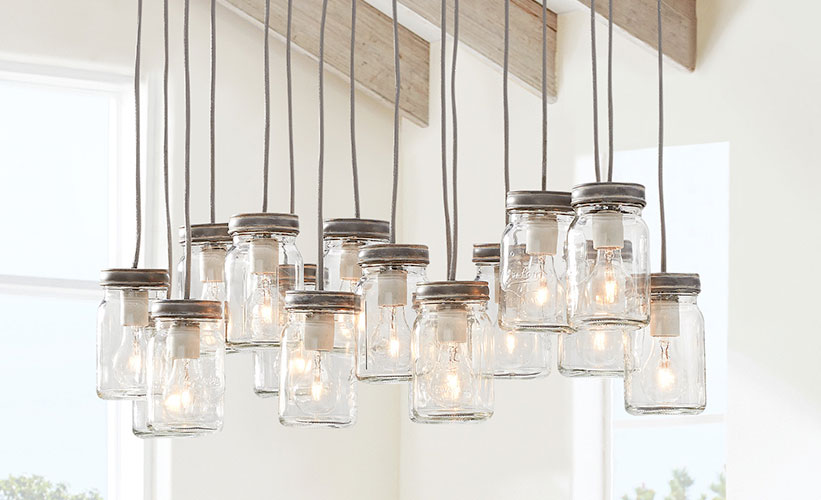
[639,19]
[482,27]
[374,51]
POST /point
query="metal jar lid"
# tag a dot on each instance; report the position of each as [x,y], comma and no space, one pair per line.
[626,251]
[357,228]
[392,253]
[309,274]
[207,233]
[134,278]
[264,223]
[321,300]
[487,253]
[538,200]
[675,283]
[187,309]
[609,192]
[452,291]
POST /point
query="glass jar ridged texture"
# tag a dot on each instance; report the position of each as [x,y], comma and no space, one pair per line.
[384,336]
[317,387]
[517,353]
[665,363]
[452,372]
[341,261]
[255,294]
[609,294]
[122,340]
[533,270]
[186,383]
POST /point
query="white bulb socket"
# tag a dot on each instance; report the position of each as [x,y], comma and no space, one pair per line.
[184,342]
[664,319]
[212,265]
[452,326]
[134,308]
[542,236]
[608,230]
[392,288]
[319,332]
[264,256]
[349,269]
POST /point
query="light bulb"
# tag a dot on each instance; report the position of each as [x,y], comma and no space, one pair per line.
[263,304]
[510,342]
[128,359]
[607,286]
[663,382]
[389,339]
[179,395]
[314,388]
[179,386]
[452,375]
[601,349]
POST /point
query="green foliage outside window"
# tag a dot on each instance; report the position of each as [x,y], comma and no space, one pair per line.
[679,489]
[39,488]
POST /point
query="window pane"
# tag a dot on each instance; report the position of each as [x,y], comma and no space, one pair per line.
[53,424]
[647,457]
[54,157]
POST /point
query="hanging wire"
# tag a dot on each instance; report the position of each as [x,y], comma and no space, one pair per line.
[544,95]
[444,117]
[610,91]
[354,166]
[138,193]
[397,94]
[168,235]
[266,72]
[455,257]
[187,73]
[320,285]
[596,163]
[661,147]
[290,105]
[213,109]
[505,103]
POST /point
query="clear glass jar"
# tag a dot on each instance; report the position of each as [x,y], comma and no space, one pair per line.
[595,352]
[452,353]
[342,239]
[186,356]
[608,296]
[518,353]
[122,320]
[533,262]
[390,275]
[318,382]
[665,370]
[266,360]
[262,244]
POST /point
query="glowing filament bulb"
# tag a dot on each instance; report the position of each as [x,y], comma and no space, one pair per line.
[454,387]
[665,376]
[510,342]
[611,286]
[393,341]
[600,340]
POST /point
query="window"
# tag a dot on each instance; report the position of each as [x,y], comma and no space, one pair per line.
[61,168]
[647,452]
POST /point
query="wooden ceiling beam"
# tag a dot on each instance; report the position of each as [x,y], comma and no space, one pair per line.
[374,52]
[481,27]
[639,19]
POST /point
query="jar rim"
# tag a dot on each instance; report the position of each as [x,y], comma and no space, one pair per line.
[394,254]
[538,200]
[207,233]
[620,193]
[356,228]
[251,223]
[186,309]
[487,253]
[451,291]
[134,278]
[675,283]
[321,300]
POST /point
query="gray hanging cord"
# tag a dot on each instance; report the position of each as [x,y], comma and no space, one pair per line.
[544,95]
[138,193]
[354,166]
[397,94]
[290,105]
[444,117]
[661,148]
[213,108]
[596,163]
[168,233]
[187,73]
[505,102]
[610,91]
[265,144]
[320,285]
[455,257]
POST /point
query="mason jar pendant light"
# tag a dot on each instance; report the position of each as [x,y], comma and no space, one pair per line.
[123,316]
[317,388]
[517,353]
[665,363]
[452,340]
[391,273]
[533,264]
[343,239]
